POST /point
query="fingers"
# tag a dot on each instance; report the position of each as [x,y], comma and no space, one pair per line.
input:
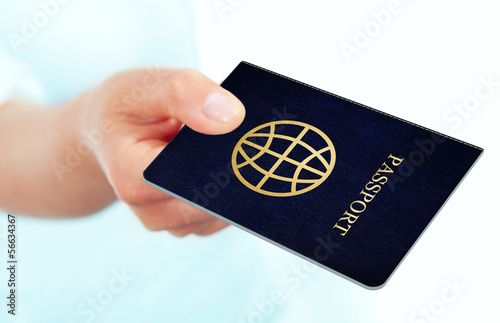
[201,229]
[150,107]
[124,169]
[188,229]
[191,228]
[212,228]
[201,103]
[184,94]
[168,214]
[177,96]
[178,218]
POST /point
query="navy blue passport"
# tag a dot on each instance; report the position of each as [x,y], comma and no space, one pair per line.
[340,184]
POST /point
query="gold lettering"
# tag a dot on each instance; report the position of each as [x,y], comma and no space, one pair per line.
[386,169]
[381,179]
[373,187]
[368,197]
[360,202]
[349,217]
[396,160]
[343,229]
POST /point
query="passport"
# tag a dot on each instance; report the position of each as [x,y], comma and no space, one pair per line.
[342,185]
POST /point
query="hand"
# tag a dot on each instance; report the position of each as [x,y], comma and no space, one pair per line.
[136,113]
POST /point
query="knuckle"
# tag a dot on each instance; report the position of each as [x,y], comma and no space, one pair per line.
[185,75]
[178,81]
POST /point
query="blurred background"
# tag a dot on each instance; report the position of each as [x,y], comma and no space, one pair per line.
[419,60]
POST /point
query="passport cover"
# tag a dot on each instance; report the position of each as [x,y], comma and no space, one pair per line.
[345,186]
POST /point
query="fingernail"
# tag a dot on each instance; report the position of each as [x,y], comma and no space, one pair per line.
[220,107]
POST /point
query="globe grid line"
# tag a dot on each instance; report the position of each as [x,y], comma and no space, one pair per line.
[294,141]
[303,144]
[272,175]
[262,151]
[304,163]
[282,157]
[287,159]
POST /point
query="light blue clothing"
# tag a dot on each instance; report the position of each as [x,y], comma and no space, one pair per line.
[108,267]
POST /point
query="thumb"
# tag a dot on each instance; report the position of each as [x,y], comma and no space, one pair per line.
[201,104]
[188,96]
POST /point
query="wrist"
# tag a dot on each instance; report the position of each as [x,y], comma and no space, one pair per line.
[76,131]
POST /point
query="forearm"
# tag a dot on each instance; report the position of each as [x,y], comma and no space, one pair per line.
[46,168]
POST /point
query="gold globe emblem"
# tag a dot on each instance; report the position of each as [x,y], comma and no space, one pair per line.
[292,185]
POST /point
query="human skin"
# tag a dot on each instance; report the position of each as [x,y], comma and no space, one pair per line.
[132,115]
